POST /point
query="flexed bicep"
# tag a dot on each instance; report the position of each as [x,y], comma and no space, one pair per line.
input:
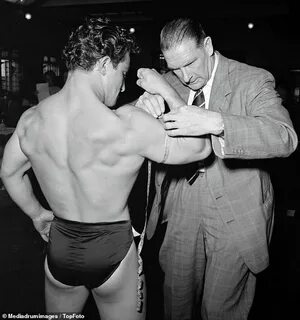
[156,145]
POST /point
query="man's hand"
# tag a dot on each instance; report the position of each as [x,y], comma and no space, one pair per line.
[193,121]
[151,103]
[42,223]
[153,82]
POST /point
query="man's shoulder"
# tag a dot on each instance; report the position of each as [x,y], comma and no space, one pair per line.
[28,118]
[242,75]
[131,112]
[243,69]
[136,120]
[29,114]
[125,109]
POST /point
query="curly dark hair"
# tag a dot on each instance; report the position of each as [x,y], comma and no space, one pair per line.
[94,39]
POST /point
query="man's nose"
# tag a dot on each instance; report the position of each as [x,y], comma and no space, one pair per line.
[186,77]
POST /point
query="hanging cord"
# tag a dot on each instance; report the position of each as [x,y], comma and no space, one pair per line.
[140,282]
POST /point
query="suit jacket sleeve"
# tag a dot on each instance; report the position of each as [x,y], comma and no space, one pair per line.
[256,125]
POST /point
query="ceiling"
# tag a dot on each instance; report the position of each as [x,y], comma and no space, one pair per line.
[277,22]
[72,11]
[118,10]
[143,9]
[280,15]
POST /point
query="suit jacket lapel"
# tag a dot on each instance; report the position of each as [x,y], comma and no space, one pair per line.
[221,87]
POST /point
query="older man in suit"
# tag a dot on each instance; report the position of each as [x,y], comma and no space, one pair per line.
[219,218]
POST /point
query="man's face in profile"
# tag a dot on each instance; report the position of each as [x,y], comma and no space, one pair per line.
[115,80]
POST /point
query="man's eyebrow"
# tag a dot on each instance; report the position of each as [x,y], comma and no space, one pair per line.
[185,65]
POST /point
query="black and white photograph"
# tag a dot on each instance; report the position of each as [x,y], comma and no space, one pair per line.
[149,159]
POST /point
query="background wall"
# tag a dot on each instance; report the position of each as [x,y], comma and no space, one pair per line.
[273,43]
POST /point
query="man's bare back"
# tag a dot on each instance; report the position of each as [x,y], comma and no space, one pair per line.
[83,160]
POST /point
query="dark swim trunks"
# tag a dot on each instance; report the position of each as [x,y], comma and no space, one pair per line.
[87,254]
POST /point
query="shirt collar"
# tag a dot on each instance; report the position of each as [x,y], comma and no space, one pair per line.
[210,81]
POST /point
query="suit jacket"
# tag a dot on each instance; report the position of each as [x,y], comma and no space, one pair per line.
[256,126]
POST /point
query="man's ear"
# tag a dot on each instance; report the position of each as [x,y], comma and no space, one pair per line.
[208,46]
[102,65]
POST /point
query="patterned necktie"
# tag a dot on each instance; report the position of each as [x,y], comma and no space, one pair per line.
[199,99]
[193,169]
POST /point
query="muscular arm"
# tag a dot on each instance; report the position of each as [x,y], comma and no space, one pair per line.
[13,169]
[157,91]
[151,140]
[17,183]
